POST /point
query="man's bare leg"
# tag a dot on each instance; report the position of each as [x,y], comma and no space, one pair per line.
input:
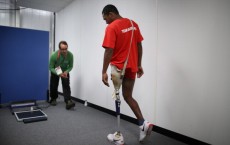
[127,90]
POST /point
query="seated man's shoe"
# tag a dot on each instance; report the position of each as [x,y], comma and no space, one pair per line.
[70,104]
[53,102]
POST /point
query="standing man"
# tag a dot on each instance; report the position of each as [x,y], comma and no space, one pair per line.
[118,35]
[61,63]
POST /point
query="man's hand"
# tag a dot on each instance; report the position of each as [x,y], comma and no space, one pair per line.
[107,57]
[105,79]
[64,75]
[140,72]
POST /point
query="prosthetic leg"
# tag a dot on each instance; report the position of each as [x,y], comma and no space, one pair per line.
[117,77]
[116,74]
[117,81]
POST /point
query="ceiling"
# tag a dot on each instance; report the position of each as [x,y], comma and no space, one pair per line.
[47,5]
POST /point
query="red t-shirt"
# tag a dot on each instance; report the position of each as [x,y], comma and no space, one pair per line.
[118,36]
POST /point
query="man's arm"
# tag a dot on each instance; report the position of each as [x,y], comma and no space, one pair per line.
[107,57]
[140,71]
[70,63]
[70,67]
[52,64]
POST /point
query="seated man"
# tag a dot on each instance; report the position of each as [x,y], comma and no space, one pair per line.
[61,63]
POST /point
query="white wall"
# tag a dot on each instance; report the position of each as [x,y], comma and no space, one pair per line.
[7,17]
[26,18]
[193,68]
[185,87]
[36,19]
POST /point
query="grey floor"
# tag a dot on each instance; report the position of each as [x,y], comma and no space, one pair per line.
[79,126]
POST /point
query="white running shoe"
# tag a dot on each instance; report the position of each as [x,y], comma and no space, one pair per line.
[116,138]
[145,130]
